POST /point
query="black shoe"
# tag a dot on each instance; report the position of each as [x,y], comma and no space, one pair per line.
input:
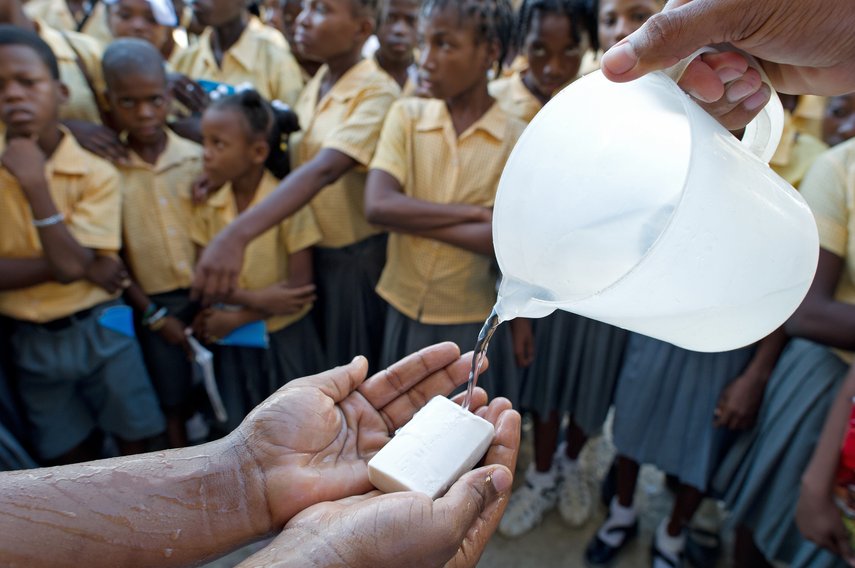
[656,553]
[703,548]
[600,553]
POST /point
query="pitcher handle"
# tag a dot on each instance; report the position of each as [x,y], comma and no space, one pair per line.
[763,134]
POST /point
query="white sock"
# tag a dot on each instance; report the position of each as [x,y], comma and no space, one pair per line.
[619,516]
[540,479]
[670,546]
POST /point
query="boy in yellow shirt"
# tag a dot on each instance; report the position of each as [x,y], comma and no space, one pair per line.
[157,210]
[60,211]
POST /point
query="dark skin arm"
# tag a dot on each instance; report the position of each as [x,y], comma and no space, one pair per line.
[66,258]
[820,317]
[386,205]
[286,297]
[219,266]
[816,514]
[18,273]
[474,237]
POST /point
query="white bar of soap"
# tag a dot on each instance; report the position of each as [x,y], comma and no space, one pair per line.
[442,442]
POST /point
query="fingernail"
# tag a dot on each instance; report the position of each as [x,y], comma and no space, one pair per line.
[698,96]
[757,100]
[620,58]
[729,74]
[502,480]
[738,91]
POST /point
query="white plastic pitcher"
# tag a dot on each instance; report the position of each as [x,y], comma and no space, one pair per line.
[629,204]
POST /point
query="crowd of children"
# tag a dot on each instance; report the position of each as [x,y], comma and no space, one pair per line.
[321,176]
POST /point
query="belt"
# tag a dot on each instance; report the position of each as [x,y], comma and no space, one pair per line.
[66,322]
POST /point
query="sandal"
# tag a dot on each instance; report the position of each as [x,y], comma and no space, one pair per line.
[600,553]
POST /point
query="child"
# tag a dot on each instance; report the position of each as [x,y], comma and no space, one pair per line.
[574,360]
[237,48]
[61,216]
[282,14]
[433,182]
[616,19]
[156,213]
[397,36]
[760,476]
[341,111]
[276,282]
[151,20]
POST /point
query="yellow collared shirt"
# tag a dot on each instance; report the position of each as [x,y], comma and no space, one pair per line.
[265,261]
[157,211]
[85,189]
[260,57]
[829,189]
[82,103]
[56,14]
[515,97]
[427,280]
[348,119]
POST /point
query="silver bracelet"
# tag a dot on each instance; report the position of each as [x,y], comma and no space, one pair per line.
[48,221]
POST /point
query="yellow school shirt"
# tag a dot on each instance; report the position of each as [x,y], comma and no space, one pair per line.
[515,97]
[260,57]
[157,211]
[82,103]
[348,119]
[85,189]
[265,261]
[426,280]
[829,189]
[56,14]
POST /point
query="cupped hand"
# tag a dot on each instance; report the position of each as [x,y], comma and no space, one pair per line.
[311,440]
[409,528]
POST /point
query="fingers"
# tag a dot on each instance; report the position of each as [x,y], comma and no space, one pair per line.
[667,37]
[338,383]
[472,496]
[506,443]
[479,399]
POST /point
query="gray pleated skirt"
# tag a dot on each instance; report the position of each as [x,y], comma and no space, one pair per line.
[576,364]
[246,376]
[349,314]
[760,476]
[168,366]
[404,336]
[664,407]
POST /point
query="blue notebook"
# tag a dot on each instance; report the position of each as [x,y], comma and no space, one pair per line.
[250,335]
[119,319]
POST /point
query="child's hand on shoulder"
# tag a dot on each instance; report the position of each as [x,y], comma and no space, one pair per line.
[109,273]
[25,161]
[99,140]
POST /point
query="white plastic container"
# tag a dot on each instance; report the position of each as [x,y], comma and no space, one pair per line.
[629,204]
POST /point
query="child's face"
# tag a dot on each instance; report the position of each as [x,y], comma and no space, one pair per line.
[452,60]
[29,95]
[398,32]
[553,55]
[838,123]
[327,29]
[229,149]
[619,18]
[134,18]
[139,104]
[217,12]
[287,14]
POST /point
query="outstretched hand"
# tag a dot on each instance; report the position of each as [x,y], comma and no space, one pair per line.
[409,528]
[311,441]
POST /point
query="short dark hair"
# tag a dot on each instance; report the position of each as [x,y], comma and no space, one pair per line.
[131,55]
[493,19]
[13,35]
[583,19]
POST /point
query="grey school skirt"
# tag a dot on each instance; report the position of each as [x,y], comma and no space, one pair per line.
[760,476]
[404,336]
[664,407]
[576,364]
[246,376]
[349,314]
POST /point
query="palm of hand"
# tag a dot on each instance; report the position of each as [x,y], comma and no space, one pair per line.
[302,437]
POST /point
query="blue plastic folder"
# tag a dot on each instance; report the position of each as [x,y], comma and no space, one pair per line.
[119,319]
[250,335]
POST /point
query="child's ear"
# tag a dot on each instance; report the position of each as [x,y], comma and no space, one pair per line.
[259,151]
[491,55]
[63,91]
[366,28]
